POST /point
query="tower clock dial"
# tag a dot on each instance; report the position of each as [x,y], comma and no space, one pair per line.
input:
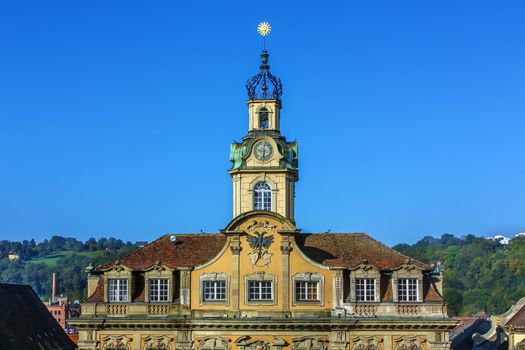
[263,150]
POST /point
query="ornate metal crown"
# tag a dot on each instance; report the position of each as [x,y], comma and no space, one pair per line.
[265,85]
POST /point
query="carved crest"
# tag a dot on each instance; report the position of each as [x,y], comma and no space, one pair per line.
[265,224]
[212,343]
[117,266]
[260,244]
[409,343]
[158,343]
[367,343]
[309,343]
[116,342]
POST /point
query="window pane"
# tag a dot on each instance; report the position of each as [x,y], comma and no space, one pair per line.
[262,196]
[306,291]
[260,290]
[214,290]
[365,289]
[407,289]
[118,290]
[158,290]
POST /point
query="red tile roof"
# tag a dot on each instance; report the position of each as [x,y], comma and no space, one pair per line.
[350,250]
[188,250]
[518,319]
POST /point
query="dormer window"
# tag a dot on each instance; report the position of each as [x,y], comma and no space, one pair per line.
[263,118]
[262,196]
[408,289]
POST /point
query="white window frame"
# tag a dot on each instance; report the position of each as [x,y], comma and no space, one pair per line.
[116,295]
[407,283]
[317,284]
[262,197]
[158,294]
[366,289]
[260,291]
[215,291]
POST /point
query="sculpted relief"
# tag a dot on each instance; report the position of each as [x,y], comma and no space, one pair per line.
[410,343]
[116,342]
[158,343]
[259,255]
[367,343]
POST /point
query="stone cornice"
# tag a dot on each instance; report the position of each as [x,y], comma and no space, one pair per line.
[297,324]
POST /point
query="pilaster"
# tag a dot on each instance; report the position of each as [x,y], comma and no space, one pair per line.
[285,274]
[235,246]
[184,275]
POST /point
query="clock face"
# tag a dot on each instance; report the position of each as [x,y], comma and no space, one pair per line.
[263,150]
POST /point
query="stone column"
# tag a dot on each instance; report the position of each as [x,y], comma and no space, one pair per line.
[338,340]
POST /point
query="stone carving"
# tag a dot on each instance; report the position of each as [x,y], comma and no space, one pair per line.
[408,265]
[245,343]
[260,244]
[262,224]
[116,342]
[158,266]
[213,343]
[117,266]
[158,343]
[520,345]
[309,343]
[410,343]
[367,343]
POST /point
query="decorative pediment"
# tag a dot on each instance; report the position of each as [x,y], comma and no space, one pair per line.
[214,276]
[158,343]
[309,343]
[367,343]
[259,276]
[213,343]
[410,343]
[116,342]
[308,276]
[365,266]
[408,266]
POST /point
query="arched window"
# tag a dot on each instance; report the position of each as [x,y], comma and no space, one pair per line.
[263,118]
[262,196]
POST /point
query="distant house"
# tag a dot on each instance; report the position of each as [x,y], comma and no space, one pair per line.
[141,244]
[13,256]
[25,323]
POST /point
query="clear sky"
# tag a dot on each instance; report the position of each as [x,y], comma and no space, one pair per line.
[116,116]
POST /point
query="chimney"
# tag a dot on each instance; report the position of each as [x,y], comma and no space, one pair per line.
[53,290]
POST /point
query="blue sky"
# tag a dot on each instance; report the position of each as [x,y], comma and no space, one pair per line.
[116,116]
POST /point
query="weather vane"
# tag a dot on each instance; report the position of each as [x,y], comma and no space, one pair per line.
[264,28]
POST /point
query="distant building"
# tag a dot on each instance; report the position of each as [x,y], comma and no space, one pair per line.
[13,256]
[141,244]
[60,309]
[25,323]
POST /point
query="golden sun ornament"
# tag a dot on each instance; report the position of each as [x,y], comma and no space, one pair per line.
[264,28]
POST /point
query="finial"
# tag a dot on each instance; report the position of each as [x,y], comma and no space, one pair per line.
[264,28]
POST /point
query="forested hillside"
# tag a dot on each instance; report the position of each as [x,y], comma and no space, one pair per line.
[480,274]
[68,257]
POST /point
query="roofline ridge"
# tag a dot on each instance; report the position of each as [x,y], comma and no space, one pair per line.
[406,256]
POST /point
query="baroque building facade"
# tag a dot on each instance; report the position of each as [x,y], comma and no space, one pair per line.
[262,284]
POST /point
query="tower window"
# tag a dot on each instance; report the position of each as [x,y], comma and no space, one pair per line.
[263,118]
[262,196]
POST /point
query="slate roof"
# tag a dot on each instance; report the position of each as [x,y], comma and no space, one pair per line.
[25,322]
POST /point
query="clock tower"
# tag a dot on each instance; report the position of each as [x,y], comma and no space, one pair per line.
[264,169]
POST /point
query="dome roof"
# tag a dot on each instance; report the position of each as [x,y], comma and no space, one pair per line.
[264,86]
